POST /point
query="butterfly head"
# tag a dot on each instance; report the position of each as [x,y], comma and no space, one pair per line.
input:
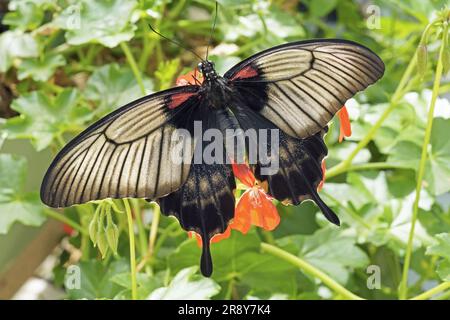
[207,69]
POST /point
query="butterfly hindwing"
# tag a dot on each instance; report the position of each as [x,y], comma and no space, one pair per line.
[299,86]
[205,202]
[125,154]
[297,162]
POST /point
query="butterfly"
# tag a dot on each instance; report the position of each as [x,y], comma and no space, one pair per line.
[295,88]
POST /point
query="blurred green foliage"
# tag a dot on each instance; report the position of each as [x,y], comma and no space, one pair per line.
[66,63]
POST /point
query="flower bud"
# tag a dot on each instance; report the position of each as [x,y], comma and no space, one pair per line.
[102,243]
[422,60]
[446,60]
[93,228]
[112,234]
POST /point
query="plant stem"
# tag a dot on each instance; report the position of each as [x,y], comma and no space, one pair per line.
[141,230]
[310,269]
[132,250]
[132,62]
[153,229]
[444,296]
[364,166]
[429,293]
[403,289]
[62,218]
[163,236]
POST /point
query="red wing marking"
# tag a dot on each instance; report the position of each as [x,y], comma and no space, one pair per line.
[247,72]
[178,99]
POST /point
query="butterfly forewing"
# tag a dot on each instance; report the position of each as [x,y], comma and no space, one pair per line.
[300,86]
[125,154]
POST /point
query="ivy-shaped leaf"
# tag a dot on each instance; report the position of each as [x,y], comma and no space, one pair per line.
[16,205]
[40,69]
[365,202]
[145,284]
[113,86]
[442,249]
[329,250]
[16,44]
[102,21]
[187,285]
[240,256]
[24,15]
[96,280]
[437,170]
[43,119]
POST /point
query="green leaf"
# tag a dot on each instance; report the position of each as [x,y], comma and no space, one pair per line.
[330,250]
[437,170]
[442,249]
[249,26]
[43,119]
[240,256]
[320,8]
[104,21]
[366,204]
[40,69]
[24,15]
[299,219]
[146,284]
[96,280]
[187,285]
[16,205]
[113,86]
[166,72]
[16,44]
[443,270]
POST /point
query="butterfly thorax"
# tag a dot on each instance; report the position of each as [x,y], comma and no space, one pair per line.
[214,86]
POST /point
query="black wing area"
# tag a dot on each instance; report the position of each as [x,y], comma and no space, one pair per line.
[298,162]
[205,202]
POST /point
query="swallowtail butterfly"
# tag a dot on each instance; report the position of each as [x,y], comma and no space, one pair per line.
[295,87]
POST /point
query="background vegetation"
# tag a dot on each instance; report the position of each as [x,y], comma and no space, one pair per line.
[66,63]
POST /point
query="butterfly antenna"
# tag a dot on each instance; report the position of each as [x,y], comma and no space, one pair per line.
[212,31]
[174,42]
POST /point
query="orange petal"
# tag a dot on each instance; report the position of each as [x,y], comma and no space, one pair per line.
[243,173]
[324,169]
[242,220]
[216,238]
[197,237]
[345,128]
[189,78]
[182,81]
[255,207]
[221,236]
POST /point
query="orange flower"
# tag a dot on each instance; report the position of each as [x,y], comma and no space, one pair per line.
[345,129]
[324,169]
[255,206]
[190,78]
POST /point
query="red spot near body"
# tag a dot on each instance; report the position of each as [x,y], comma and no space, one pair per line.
[178,99]
[247,72]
